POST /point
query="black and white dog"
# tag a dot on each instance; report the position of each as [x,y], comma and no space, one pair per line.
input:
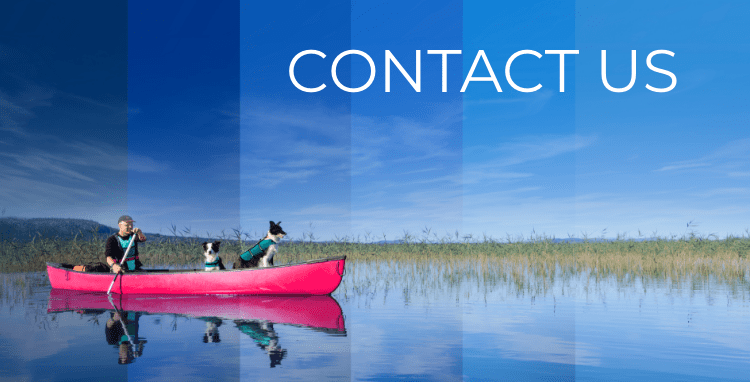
[212,330]
[211,252]
[261,254]
[265,337]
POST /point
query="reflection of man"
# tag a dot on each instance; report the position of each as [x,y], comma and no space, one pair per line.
[265,337]
[122,330]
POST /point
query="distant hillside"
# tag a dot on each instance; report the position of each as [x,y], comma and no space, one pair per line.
[21,229]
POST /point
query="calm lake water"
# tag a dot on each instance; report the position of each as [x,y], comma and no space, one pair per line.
[574,328]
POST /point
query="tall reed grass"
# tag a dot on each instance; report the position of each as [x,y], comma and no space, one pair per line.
[529,265]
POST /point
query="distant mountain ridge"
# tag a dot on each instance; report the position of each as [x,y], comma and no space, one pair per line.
[24,229]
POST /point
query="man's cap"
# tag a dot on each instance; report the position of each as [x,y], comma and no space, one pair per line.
[125,218]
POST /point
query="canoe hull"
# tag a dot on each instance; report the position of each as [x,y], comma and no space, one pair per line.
[321,312]
[318,277]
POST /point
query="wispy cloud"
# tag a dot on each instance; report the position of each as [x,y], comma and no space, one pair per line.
[46,197]
[683,165]
[529,103]
[486,164]
[305,141]
[46,173]
[302,163]
[533,148]
[55,156]
[327,209]
[46,164]
[293,143]
[519,212]
[50,177]
[732,159]
[275,118]
[724,192]
[16,110]
[405,173]
[141,163]
[396,139]
[503,335]
[43,171]
[270,179]
[436,208]
[46,152]
[23,190]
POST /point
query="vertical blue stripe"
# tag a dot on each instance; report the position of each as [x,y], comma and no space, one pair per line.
[295,145]
[407,145]
[518,146]
[183,126]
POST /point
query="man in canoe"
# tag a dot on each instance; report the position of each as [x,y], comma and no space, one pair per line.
[118,243]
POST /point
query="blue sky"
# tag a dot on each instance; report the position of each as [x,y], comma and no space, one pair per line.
[63,111]
[185,114]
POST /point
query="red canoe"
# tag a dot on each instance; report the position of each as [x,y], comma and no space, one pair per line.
[316,277]
[321,312]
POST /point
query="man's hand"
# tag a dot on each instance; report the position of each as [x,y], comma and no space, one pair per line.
[116,268]
[139,233]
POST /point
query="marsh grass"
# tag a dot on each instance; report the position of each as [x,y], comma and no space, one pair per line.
[16,288]
[531,265]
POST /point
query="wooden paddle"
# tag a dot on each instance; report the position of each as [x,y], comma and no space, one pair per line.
[124,256]
[124,328]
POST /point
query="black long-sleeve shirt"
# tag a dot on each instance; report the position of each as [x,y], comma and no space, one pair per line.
[115,250]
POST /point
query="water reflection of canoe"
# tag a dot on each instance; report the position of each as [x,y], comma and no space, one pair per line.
[316,277]
[321,312]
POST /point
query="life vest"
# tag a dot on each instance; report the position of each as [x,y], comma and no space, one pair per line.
[252,329]
[132,326]
[259,249]
[131,256]
[213,264]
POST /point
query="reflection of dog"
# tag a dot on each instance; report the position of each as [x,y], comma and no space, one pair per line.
[212,330]
[265,337]
[261,254]
[211,252]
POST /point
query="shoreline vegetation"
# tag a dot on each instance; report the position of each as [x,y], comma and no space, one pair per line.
[656,256]
[414,267]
